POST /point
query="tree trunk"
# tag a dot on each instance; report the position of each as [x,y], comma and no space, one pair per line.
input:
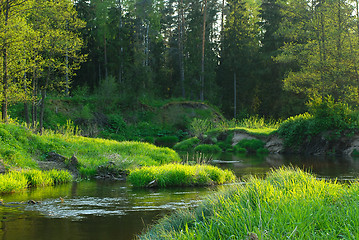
[203,45]
[120,71]
[34,97]
[42,106]
[42,110]
[235,94]
[105,55]
[26,104]
[5,67]
[180,45]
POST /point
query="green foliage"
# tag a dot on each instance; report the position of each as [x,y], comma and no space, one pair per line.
[295,129]
[239,149]
[252,145]
[325,115]
[15,181]
[207,148]
[180,175]
[166,141]
[226,147]
[262,151]
[329,114]
[289,202]
[200,126]
[186,145]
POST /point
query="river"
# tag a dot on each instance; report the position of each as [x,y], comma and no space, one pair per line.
[115,210]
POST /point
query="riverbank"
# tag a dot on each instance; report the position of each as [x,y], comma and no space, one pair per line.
[84,157]
[289,203]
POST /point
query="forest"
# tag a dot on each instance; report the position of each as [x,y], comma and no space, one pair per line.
[248,57]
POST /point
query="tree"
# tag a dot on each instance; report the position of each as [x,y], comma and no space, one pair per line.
[238,56]
[322,44]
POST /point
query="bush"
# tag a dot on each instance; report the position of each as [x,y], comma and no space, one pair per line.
[262,151]
[252,145]
[207,148]
[239,149]
[166,141]
[295,129]
[324,115]
[187,144]
[200,126]
[180,175]
[226,147]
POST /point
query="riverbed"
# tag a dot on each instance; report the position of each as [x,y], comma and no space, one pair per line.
[115,210]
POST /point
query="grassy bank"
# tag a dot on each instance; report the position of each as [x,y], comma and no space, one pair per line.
[20,148]
[16,181]
[171,175]
[288,204]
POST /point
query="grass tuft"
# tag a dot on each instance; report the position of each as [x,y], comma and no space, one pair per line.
[15,181]
[288,204]
[180,175]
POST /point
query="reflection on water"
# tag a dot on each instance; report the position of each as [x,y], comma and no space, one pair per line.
[114,210]
[330,167]
[90,210]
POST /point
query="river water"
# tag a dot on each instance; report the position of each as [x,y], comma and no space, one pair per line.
[115,210]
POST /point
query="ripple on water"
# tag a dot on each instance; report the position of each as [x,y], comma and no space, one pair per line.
[79,208]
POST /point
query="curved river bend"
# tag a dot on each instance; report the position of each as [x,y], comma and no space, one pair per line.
[114,210]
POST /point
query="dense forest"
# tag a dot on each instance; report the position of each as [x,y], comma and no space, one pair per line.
[264,57]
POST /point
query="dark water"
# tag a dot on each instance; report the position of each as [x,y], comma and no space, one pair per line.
[113,210]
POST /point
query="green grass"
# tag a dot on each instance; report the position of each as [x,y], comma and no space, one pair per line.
[20,148]
[288,204]
[15,181]
[187,145]
[251,145]
[180,175]
[207,148]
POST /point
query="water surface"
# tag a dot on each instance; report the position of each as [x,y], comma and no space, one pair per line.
[115,210]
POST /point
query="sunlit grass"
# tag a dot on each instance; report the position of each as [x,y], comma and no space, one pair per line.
[288,204]
[20,148]
[15,181]
[180,175]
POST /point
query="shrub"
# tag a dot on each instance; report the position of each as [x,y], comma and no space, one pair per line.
[239,149]
[180,175]
[226,147]
[252,145]
[200,126]
[187,144]
[262,151]
[166,141]
[207,148]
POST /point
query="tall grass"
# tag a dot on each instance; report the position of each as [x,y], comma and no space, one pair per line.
[253,124]
[15,181]
[20,148]
[180,175]
[288,204]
